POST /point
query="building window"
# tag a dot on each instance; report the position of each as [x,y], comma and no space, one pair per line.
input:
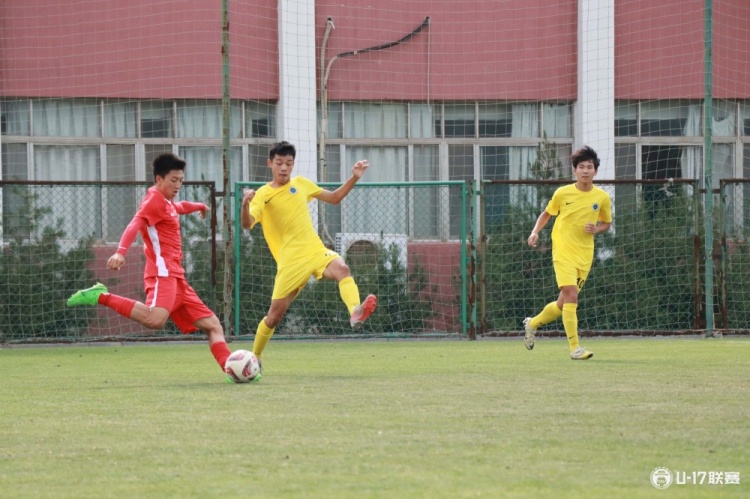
[667,137]
[205,163]
[556,120]
[65,118]
[421,121]
[441,141]
[745,119]
[157,119]
[425,203]
[14,215]
[495,120]
[204,119]
[724,119]
[670,118]
[626,119]
[375,121]
[114,139]
[459,121]
[260,119]
[120,119]
[15,117]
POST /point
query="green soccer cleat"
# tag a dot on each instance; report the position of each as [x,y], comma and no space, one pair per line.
[259,376]
[232,381]
[89,296]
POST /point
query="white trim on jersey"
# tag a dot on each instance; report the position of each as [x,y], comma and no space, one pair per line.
[161,265]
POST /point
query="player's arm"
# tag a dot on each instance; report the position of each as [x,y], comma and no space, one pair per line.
[336,196]
[187,207]
[597,228]
[605,219]
[247,219]
[538,226]
[131,231]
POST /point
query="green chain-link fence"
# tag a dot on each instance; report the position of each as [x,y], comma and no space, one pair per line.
[404,242]
[646,272]
[410,244]
[56,239]
[734,258]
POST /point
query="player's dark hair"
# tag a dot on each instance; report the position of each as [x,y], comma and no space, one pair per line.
[165,163]
[282,148]
[585,153]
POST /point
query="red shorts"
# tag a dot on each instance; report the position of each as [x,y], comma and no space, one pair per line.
[176,295]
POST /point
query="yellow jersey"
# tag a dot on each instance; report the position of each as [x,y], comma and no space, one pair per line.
[285,218]
[574,209]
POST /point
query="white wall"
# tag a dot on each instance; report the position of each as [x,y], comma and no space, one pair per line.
[297,117]
[595,107]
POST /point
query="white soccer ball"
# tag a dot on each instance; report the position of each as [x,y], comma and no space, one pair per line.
[242,366]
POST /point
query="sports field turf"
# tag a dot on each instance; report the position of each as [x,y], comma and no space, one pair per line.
[391,419]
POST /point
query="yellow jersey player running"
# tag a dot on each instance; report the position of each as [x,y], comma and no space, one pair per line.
[280,207]
[582,210]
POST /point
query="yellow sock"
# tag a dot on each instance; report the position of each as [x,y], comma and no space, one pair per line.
[262,335]
[570,321]
[548,314]
[349,293]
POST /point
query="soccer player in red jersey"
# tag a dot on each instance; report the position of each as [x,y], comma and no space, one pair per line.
[168,294]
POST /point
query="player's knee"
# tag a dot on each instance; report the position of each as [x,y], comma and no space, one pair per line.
[344,270]
[272,319]
[570,298]
[155,322]
[212,327]
[215,335]
[337,270]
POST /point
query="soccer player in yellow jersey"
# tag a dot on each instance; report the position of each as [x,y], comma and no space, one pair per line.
[582,210]
[280,207]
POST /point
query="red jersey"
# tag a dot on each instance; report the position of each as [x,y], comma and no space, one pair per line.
[161,237]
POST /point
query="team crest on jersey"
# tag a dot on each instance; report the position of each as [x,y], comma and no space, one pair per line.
[293,190]
[595,206]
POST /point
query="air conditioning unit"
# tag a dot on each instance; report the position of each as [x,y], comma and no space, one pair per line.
[346,240]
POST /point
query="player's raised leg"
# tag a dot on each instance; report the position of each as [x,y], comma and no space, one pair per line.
[359,311]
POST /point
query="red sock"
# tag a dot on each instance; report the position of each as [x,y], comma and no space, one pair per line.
[120,304]
[220,352]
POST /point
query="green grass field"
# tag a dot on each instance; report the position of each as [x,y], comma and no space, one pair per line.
[425,419]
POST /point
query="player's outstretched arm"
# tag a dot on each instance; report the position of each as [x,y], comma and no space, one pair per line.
[187,207]
[246,219]
[336,196]
[128,236]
